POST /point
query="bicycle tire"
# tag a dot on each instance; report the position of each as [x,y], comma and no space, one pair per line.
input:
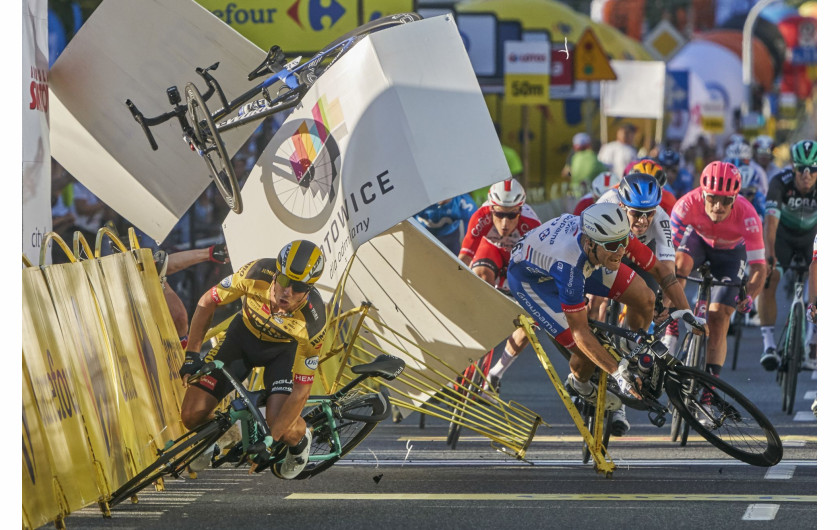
[588,415]
[738,322]
[172,461]
[697,359]
[794,349]
[676,419]
[309,75]
[471,382]
[755,440]
[351,432]
[204,129]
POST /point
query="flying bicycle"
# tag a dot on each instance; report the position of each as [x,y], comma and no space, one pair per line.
[289,81]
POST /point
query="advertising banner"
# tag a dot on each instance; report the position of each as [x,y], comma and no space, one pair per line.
[639,91]
[37,218]
[527,67]
[397,124]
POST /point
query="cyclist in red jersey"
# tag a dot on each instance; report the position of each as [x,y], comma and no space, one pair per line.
[600,184]
[714,223]
[494,229]
[652,168]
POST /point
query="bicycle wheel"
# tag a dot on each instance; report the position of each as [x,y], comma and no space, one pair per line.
[174,460]
[471,381]
[355,419]
[212,149]
[676,419]
[588,415]
[738,325]
[794,349]
[332,51]
[735,425]
[696,359]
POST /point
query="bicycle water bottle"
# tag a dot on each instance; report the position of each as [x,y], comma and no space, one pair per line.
[645,363]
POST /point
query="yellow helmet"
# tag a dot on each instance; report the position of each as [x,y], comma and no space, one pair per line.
[649,167]
[301,261]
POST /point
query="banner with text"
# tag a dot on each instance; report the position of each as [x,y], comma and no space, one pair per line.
[395,125]
[527,66]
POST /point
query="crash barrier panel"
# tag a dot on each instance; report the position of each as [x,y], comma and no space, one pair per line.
[101,390]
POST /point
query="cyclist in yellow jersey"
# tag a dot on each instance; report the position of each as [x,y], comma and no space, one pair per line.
[281,326]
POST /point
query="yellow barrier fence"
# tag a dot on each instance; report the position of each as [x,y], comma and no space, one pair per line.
[101,391]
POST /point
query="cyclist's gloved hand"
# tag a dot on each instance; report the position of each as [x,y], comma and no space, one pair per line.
[690,318]
[219,254]
[812,313]
[743,305]
[192,362]
[627,381]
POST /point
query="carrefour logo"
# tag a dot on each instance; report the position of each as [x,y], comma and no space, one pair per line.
[318,13]
[319,16]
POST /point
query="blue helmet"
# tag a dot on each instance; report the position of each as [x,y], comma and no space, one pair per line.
[669,158]
[639,190]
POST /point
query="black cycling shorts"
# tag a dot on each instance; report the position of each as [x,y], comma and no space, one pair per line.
[788,244]
[241,351]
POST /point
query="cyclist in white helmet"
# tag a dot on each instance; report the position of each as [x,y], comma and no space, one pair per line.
[762,148]
[600,184]
[742,152]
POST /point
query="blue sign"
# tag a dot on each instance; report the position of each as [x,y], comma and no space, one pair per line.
[804,55]
[676,90]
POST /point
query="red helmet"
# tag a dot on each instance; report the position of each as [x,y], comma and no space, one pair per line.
[721,178]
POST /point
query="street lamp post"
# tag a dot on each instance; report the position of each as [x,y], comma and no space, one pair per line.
[747,54]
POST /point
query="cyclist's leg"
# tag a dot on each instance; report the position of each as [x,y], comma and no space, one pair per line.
[200,399]
[767,301]
[726,264]
[691,252]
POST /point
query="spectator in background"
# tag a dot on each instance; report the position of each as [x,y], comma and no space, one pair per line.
[63,219]
[620,152]
[583,165]
[447,220]
[91,213]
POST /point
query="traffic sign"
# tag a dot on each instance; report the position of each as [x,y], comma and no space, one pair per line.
[527,72]
[676,90]
[591,62]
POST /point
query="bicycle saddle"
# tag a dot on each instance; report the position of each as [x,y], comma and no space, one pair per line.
[386,366]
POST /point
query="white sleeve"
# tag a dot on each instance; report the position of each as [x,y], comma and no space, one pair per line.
[665,250]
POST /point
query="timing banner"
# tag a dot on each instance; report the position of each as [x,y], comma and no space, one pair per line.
[396,124]
[410,279]
[50,372]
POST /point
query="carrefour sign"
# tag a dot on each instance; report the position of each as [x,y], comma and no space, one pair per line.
[300,26]
[527,65]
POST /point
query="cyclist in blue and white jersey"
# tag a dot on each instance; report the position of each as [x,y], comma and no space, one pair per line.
[743,153]
[762,148]
[750,182]
[447,220]
[555,265]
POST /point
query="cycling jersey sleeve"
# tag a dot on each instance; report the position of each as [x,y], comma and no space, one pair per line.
[640,254]
[570,283]
[753,233]
[662,236]
[480,224]
[772,205]
[678,220]
[231,288]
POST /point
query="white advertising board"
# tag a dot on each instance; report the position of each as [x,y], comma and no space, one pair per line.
[639,91]
[397,124]
[423,292]
[37,218]
[136,50]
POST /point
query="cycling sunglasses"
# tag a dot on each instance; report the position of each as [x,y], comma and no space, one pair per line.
[507,215]
[723,199]
[614,246]
[641,213]
[297,286]
[801,169]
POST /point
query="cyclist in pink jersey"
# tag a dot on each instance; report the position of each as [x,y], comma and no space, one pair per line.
[713,223]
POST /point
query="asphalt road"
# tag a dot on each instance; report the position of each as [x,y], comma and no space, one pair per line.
[406,477]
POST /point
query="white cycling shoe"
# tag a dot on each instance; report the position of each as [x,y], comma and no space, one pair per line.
[589,393]
[292,465]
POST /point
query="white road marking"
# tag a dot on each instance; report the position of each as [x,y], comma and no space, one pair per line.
[793,443]
[814,375]
[548,463]
[810,395]
[780,472]
[805,415]
[760,512]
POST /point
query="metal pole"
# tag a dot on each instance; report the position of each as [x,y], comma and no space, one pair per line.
[747,55]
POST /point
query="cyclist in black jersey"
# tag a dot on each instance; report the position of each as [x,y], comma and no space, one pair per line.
[790,226]
[281,326]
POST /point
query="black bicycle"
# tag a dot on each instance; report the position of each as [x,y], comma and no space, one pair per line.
[284,89]
[791,344]
[338,422]
[709,405]
[692,350]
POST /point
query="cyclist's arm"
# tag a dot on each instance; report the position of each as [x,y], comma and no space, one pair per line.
[475,231]
[201,320]
[586,341]
[181,260]
[771,226]
[755,278]
[665,275]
